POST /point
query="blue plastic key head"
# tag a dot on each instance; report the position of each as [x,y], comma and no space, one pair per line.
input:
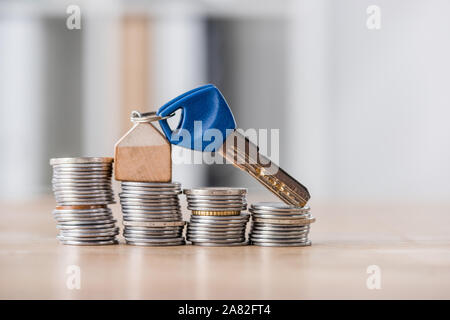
[206,120]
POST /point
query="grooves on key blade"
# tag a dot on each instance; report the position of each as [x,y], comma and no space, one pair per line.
[281,184]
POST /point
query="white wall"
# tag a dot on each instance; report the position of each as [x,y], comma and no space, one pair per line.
[374,107]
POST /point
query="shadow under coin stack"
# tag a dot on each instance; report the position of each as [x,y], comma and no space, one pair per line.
[151,213]
[216,218]
[82,189]
[276,224]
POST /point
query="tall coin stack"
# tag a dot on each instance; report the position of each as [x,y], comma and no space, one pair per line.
[216,218]
[151,213]
[82,189]
[276,224]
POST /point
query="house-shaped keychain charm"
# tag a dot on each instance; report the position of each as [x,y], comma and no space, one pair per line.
[143,153]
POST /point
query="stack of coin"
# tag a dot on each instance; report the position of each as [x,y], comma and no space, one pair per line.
[151,213]
[82,189]
[277,224]
[216,201]
[216,218]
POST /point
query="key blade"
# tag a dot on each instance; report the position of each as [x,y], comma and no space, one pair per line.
[243,154]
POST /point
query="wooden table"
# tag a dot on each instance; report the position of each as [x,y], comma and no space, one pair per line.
[409,243]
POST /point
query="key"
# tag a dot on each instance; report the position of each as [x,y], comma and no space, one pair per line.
[143,153]
[207,104]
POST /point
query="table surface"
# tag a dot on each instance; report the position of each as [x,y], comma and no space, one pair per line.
[410,244]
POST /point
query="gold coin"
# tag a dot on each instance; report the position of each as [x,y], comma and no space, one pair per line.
[216,213]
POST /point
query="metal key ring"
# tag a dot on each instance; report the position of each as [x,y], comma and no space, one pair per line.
[146,117]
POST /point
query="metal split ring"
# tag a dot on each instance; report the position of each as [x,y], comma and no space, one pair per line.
[146,117]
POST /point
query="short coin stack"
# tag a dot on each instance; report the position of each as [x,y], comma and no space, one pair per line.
[151,213]
[216,218]
[276,224]
[82,189]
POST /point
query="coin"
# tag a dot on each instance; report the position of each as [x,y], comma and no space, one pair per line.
[216,213]
[151,213]
[80,160]
[88,243]
[216,216]
[279,224]
[222,191]
[82,189]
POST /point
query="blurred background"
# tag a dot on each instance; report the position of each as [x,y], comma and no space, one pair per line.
[363,113]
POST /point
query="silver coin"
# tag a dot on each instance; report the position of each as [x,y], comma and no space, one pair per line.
[286,221]
[279,214]
[271,226]
[281,217]
[90,232]
[150,202]
[168,213]
[89,175]
[64,238]
[208,244]
[84,196]
[86,227]
[154,229]
[193,235]
[68,183]
[142,237]
[216,230]
[74,195]
[215,191]
[278,237]
[68,168]
[147,197]
[218,222]
[89,243]
[148,244]
[158,240]
[215,198]
[88,236]
[242,208]
[152,184]
[218,226]
[101,200]
[76,223]
[153,224]
[278,240]
[291,244]
[84,203]
[152,233]
[135,219]
[277,206]
[90,212]
[97,218]
[241,217]
[150,189]
[82,173]
[150,208]
[152,213]
[213,240]
[86,166]
[143,193]
[92,187]
[211,205]
[80,160]
[278,234]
